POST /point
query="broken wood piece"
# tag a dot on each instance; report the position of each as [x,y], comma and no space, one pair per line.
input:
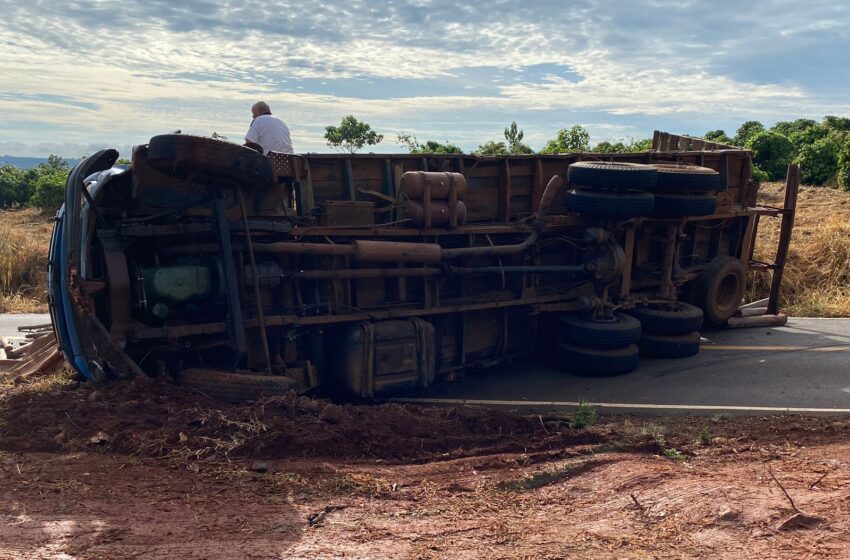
[760,321]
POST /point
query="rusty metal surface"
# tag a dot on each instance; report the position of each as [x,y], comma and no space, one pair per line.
[488,250]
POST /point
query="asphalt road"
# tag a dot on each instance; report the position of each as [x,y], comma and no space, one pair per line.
[9,323]
[802,367]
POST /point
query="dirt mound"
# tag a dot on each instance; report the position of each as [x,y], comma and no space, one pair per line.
[153,418]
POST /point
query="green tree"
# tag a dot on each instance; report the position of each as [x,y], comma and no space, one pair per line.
[48,189]
[787,128]
[643,145]
[351,135]
[429,147]
[718,136]
[14,186]
[819,160]
[772,152]
[609,147]
[844,165]
[514,136]
[747,131]
[837,124]
[574,139]
[492,148]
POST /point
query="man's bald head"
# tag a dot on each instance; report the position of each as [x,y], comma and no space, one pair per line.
[260,108]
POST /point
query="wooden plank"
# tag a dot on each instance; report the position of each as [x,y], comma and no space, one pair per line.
[792,186]
[348,179]
[748,244]
[656,140]
[760,321]
[306,202]
[505,192]
[537,186]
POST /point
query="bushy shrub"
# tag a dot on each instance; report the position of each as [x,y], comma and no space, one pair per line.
[492,148]
[759,175]
[819,160]
[14,186]
[48,190]
[844,165]
[718,136]
[574,139]
[772,152]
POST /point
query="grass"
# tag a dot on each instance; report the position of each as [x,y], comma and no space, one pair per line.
[24,242]
[584,416]
[816,282]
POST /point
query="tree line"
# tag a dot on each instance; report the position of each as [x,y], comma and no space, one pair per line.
[42,187]
[821,148]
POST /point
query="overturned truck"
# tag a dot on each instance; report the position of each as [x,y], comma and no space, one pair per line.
[241,274]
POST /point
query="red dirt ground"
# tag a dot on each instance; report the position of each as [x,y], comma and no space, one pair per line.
[146,470]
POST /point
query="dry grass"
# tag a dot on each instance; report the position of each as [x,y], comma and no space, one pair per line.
[24,242]
[817,275]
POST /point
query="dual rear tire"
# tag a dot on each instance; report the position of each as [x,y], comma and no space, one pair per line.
[597,347]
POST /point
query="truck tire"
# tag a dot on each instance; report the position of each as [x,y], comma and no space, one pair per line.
[675,318]
[610,175]
[599,361]
[682,178]
[665,346]
[236,387]
[181,155]
[719,289]
[609,204]
[619,331]
[671,205]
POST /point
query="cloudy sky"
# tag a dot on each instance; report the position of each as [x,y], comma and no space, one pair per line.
[76,75]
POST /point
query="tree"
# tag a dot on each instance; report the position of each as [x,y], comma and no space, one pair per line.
[643,145]
[48,189]
[609,148]
[819,160]
[514,137]
[747,131]
[787,128]
[718,136]
[351,135]
[575,139]
[837,124]
[772,152]
[492,148]
[429,147]
[844,165]
[14,187]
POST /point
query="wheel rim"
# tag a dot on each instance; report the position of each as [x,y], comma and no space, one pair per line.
[727,291]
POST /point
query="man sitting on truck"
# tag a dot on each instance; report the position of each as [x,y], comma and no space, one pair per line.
[267,133]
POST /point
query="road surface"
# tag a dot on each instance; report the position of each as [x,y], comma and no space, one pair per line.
[9,323]
[801,367]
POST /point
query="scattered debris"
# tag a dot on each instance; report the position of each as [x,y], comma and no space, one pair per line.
[317,518]
[40,354]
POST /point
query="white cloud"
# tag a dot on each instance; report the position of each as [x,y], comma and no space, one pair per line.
[83,72]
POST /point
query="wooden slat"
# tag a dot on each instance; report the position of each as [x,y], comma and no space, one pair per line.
[348,178]
[792,186]
[505,191]
[537,186]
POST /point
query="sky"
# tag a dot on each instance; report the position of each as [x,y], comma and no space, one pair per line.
[76,76]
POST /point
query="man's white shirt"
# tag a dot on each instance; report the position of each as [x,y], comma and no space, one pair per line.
[271,133]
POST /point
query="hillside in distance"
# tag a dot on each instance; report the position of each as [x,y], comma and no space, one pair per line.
[23,162]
